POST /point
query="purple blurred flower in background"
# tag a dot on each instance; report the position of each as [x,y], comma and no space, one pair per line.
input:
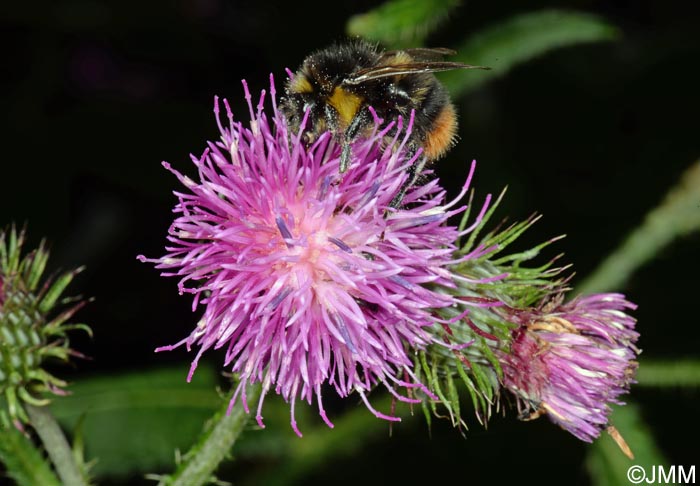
[307,276]
[572,360]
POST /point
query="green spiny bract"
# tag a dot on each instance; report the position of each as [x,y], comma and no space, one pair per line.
[488,285]
[33,326]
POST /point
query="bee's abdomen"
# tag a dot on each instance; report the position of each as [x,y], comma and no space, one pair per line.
[435,127]
[441,133]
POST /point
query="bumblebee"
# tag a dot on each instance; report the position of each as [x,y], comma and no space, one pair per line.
[338,84]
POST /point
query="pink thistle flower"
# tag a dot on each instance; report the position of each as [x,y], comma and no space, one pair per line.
[572,360]
[308,276]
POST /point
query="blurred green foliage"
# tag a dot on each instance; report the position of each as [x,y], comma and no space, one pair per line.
[678,215]
[606,465]
[519,39]
[137,100]
[135,421]
[401,23]
[24,463]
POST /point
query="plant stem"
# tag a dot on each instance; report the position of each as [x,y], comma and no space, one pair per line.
[56,445]
[214,445]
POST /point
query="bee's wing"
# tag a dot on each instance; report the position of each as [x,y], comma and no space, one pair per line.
[422,53]
[377,72]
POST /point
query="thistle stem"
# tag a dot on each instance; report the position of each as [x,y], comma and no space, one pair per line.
[214,445]
[56,445]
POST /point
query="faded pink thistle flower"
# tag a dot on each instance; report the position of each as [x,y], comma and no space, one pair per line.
[308,276]
[572,360]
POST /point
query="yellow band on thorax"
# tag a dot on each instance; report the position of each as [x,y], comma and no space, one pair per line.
[346,104]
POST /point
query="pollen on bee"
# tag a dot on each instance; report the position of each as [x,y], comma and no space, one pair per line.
[300,84]
[399,57]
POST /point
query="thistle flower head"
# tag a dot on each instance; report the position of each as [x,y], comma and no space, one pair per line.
[308,276]
[572,360]
[31,332]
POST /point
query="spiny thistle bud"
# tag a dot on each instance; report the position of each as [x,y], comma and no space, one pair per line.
[31,332]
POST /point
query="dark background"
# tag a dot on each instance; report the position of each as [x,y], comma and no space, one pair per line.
[95,94]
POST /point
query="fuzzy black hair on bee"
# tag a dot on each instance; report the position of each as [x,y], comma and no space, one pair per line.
[337,86]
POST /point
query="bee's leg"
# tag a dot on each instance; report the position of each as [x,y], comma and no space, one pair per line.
[414,173]
[345,156]
[359,121]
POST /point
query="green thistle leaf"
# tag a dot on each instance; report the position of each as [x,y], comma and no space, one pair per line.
[23,462]
[604,462]
[677,215]
[669,373]
[519,39]
[106,411]
[401,23]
